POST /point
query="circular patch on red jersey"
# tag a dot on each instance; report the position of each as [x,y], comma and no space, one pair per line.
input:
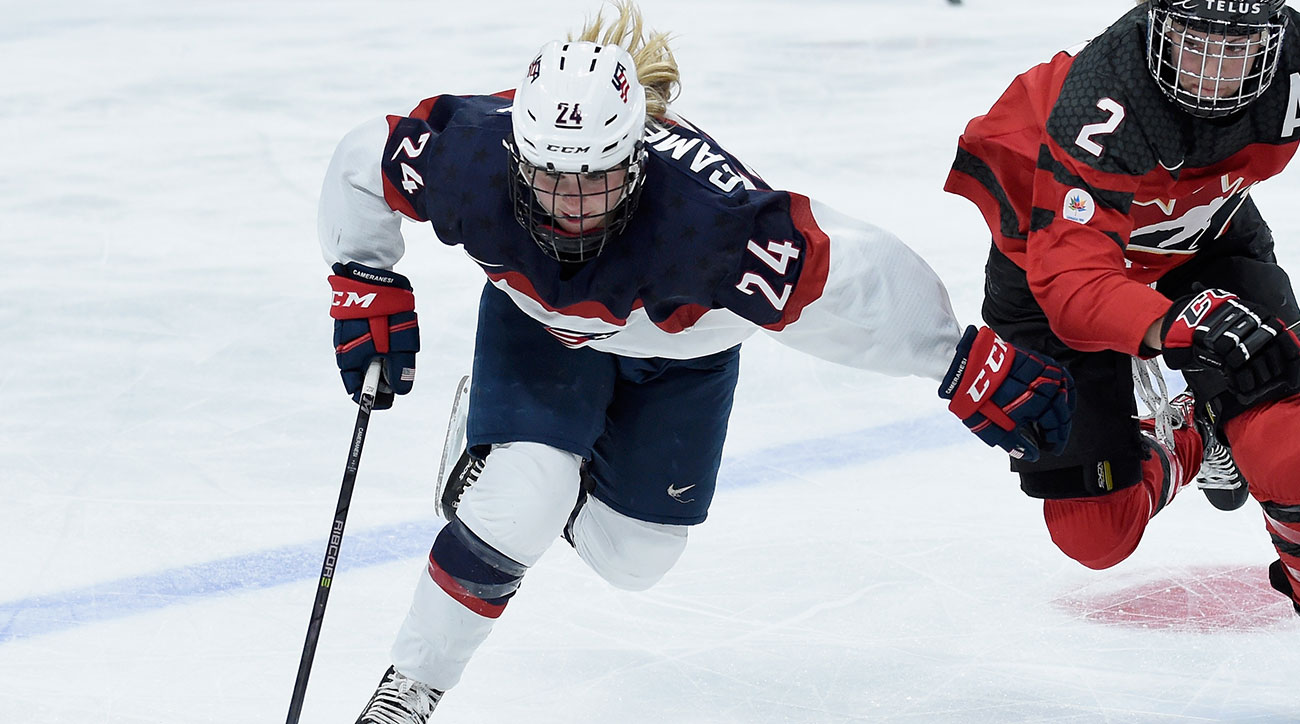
[1079,206]
[1199,599]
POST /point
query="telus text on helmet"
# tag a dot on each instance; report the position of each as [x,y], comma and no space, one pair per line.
[1232,6]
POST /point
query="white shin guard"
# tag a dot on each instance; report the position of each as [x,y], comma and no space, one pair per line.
[518,506]
[438,636]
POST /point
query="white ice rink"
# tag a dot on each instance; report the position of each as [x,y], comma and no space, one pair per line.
[173,431]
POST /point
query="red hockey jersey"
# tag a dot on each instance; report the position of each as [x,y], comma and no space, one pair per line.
[1096,185]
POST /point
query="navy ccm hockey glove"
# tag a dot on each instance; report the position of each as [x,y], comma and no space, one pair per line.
[1009,397]
[1255,356]
[374,315]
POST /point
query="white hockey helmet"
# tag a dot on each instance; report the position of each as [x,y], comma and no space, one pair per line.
[1214,57]
[578,110]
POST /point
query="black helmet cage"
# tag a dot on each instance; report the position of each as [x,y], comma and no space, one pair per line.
[540,221]
[1235,29]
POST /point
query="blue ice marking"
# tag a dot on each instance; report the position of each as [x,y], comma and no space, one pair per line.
[55,612]
[110,600]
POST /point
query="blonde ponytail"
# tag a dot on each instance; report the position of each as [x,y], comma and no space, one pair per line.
[656,68]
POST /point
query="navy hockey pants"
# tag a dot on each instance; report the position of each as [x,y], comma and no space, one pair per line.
[651,430]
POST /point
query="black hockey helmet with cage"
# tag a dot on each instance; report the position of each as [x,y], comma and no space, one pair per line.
[1214,57]
[579,112]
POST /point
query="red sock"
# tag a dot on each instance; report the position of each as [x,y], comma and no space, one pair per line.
[1261,440]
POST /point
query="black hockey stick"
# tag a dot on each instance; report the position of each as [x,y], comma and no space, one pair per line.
[368,389]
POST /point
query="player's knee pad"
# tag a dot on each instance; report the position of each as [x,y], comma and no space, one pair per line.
[522,499]
[628,553]
[1099,532]
[472,572]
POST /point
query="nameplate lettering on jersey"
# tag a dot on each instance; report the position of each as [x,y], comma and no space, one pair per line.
[704,159]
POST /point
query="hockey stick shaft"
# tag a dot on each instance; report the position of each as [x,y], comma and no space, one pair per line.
[367,403]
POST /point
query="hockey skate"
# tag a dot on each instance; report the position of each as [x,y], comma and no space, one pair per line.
[463,474]
[1279,580]
[459,469]
[399,700]
[1219,478]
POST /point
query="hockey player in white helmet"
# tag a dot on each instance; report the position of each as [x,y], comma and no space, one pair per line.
[627,256]
[578,163]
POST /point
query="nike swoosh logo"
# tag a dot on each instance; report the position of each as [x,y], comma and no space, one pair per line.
[675,492]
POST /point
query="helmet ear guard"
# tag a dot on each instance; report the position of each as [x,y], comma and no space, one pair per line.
[1193,47]
[579,110]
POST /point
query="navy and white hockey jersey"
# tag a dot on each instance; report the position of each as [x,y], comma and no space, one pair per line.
[711,255]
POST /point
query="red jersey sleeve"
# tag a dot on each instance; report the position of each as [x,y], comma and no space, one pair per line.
[1063,221]
[1074,260]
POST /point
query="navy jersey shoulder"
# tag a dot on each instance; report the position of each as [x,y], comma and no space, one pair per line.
[688,244]
[1112,116]
[423,145]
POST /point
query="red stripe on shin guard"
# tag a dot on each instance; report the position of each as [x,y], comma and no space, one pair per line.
[458,592]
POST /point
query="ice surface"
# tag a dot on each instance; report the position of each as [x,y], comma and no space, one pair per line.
[173,430]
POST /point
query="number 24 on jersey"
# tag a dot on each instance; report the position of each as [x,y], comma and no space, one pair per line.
[777,255]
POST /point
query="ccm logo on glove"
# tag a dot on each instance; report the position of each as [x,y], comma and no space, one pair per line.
[989,373]
[352,299]
[374,315]
[1015,399]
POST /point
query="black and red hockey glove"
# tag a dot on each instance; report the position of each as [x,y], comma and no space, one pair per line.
[1009,397]
[374,315]
[1253,352]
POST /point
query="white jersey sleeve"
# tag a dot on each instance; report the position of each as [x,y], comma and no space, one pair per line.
[883,308]
[354,221]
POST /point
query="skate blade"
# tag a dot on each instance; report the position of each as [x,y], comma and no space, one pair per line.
[454,443]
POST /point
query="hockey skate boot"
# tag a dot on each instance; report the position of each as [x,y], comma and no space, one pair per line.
[400,700]
[454,478]
[463,474]
[1278,578]
[1219,478]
